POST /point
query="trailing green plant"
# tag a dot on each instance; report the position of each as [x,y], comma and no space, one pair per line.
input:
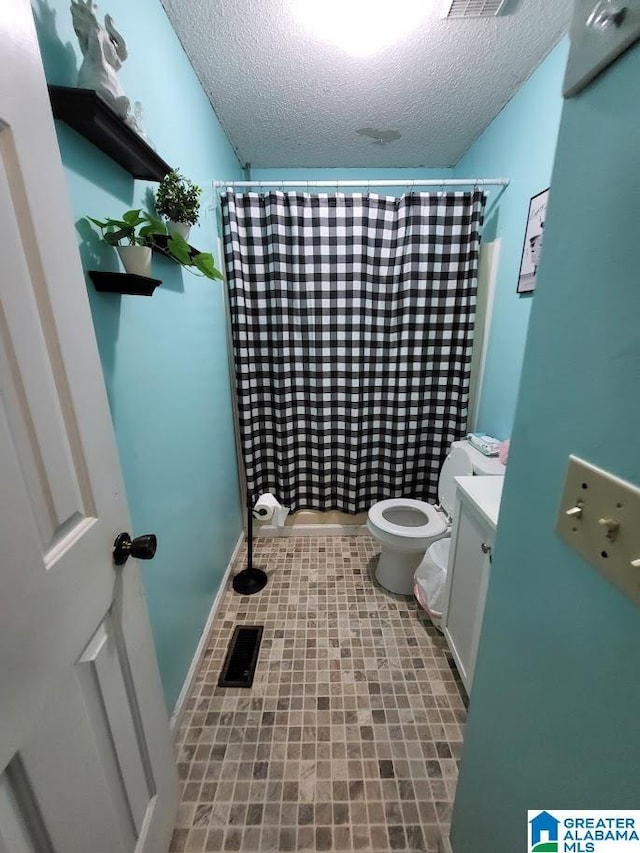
[182,252]
[133,229]
[140,228]
[178,198]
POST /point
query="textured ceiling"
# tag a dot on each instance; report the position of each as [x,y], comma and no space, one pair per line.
[288,98]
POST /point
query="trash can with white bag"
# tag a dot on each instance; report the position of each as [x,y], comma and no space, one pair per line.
[430,580]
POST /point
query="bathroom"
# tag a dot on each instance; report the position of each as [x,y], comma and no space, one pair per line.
[166,368]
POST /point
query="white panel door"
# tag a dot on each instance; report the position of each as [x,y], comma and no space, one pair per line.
[86,759]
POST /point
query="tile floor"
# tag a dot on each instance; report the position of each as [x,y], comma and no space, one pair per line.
[347,740]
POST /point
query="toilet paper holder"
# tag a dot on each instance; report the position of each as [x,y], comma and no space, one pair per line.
[269,508]
[250,580]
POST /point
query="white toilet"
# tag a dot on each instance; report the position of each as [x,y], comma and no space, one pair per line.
[407,527]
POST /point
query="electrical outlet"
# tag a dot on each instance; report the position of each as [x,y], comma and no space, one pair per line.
[599,518]
[600,31]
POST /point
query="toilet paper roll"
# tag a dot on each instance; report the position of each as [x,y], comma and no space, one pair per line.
[269,508]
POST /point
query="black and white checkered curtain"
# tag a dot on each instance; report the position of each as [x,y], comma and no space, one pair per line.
[352,319]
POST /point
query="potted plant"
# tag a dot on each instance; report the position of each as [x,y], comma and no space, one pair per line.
[138,232]
[178,200]
[130,237]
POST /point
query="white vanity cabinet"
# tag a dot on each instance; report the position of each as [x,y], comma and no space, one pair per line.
[472,538]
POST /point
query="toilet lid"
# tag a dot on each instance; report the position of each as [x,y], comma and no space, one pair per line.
[407,517]
[457,464]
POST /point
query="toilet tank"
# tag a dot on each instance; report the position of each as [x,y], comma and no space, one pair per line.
[482,465]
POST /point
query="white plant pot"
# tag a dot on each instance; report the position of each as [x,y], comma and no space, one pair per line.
[181,228]
[136,259]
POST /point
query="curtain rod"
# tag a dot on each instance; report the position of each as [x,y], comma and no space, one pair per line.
[446,182]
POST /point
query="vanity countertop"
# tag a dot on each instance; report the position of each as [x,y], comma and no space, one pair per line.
[485,494]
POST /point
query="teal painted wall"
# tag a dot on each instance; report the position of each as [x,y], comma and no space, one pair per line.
[164,358]
[554,708]
[519,144]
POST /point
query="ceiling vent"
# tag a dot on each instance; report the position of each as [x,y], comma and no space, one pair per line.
[472,8]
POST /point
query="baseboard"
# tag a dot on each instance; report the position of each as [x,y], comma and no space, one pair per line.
[445,844]
[310,530]
[174,722]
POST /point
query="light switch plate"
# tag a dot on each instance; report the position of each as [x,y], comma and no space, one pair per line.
[594,46]
[593,503]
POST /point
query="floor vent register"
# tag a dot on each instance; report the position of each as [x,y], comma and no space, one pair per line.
[242,656]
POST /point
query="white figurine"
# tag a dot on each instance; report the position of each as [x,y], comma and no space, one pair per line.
[104,50]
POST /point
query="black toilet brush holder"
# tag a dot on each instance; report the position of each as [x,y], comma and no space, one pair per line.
[249,580]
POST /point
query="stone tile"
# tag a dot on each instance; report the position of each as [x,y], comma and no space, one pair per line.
[178,840]
[215,840]
[397,839]
[348,739]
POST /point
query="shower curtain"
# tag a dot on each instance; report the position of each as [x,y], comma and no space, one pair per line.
[352,322]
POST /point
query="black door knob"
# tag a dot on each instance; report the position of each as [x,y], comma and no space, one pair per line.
[142,548]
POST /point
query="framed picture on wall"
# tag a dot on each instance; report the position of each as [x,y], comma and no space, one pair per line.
[533,242]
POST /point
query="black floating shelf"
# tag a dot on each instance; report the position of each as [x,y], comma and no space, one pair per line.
[121,282]
[159,242]
[92,118]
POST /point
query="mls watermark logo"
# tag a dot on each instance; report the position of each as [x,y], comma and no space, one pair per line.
[543,833]
[588,831]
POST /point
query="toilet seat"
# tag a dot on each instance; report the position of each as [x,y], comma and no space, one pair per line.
[406,527]
[435,522]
